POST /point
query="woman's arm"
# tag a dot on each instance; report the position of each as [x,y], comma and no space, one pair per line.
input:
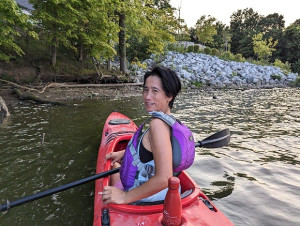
[162,152]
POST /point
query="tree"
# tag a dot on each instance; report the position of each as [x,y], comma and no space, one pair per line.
[13,23]
[292,45]
[222,38]
[150,25]
[243,26]
[205,29]
[58,18]
[96,30]
[273,26]
[263,48]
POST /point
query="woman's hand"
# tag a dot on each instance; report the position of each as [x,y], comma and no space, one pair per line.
[114,195]
[115,156]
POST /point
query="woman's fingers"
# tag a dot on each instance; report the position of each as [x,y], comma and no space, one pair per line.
[108,156]
[113,162]
[106,193]
[112,194]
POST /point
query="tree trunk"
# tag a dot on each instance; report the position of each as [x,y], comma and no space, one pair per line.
[53,57]
[53,52]
[108,65]
[80,58]
[122,43]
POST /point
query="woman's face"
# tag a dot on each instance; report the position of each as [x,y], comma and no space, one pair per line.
[155,98]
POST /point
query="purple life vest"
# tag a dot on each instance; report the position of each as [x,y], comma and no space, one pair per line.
[183,151]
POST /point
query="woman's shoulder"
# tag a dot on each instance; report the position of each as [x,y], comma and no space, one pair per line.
[156,124]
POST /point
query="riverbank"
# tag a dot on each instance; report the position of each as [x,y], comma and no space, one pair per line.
[67,94]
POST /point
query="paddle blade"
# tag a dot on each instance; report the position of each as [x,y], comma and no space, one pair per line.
[216,140]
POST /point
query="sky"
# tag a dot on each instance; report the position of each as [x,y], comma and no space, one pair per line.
[192,10]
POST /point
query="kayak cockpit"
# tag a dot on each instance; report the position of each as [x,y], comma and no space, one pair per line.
[190,192]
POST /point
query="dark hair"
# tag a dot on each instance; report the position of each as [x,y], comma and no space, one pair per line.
[170,81]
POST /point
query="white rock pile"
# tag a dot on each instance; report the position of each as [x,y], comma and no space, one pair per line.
[212,71]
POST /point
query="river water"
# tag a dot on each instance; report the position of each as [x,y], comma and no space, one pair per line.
[253,181]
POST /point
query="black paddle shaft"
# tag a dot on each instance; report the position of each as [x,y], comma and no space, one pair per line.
[42,194]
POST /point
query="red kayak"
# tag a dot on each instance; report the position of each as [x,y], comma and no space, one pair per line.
[197,209]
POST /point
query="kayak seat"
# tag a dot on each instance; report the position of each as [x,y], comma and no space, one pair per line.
[119,121]
[182,195]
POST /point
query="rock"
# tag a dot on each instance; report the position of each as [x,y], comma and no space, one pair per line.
[211,70]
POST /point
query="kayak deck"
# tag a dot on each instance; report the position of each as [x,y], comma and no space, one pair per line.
[197,209]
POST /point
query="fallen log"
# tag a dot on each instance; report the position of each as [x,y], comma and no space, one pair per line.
[30,96]
[65,85]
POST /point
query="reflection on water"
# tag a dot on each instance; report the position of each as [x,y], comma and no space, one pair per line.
[254,181]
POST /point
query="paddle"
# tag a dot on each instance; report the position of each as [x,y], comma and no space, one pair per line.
[216,140]
[52,191]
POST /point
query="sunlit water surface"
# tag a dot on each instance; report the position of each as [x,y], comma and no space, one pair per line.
[254,181]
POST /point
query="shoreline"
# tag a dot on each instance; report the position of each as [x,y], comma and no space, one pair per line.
[66,94]
[91,91]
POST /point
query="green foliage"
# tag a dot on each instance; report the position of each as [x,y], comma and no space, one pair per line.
[227,56]
[297,81]
[243,26]
[196,49]
[13,24]
[182,37]
[176,47]
[296,67]
[274,77]
[263,48]
[239,57]
[96,28]
[285,67]
[208,50]
[153,23]
[137,48]
[292,45]
[222,37]
[91,27]
[205,29]
[190,49]
[197,84]
[272,26]
[215,52]
[234,73]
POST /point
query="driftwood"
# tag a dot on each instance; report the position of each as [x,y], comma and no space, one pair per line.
[30,96]
[93,85]
[65,85]
[4,108]
[17,85]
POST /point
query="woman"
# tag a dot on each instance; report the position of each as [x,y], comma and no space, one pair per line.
[160,88]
